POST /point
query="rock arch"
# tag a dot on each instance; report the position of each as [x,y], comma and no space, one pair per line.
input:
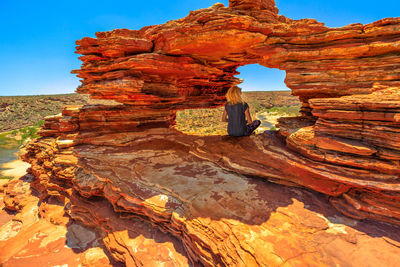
[106,164]
[346,142]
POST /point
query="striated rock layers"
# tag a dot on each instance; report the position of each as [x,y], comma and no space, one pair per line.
[347,79]
[108,165]
[131,186]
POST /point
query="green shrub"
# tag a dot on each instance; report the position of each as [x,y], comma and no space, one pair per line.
[39,123]
[289,110]
[29,132]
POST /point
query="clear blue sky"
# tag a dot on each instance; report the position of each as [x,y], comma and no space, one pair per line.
[37,38]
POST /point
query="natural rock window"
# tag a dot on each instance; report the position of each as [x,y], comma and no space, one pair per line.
[263,89]
[345,144]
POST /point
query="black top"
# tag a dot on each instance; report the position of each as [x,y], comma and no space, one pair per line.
[236,119]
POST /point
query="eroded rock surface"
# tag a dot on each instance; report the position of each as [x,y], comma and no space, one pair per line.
[152,195]
[346,78]
[218,207]
[41,233]
[36,234]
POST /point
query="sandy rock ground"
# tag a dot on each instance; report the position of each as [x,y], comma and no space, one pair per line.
[15,168]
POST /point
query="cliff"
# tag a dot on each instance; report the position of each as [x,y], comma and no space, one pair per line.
[123,171]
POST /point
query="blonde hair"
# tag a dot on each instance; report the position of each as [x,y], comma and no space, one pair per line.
[234,95]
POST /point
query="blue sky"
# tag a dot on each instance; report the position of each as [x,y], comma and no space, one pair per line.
[37,38]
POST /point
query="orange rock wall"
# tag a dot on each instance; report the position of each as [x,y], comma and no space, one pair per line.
[347,78]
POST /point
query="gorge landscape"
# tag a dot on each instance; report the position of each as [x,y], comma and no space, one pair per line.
[126,182]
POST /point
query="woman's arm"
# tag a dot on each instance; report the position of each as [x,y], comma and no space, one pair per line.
[248,116]
[224,116]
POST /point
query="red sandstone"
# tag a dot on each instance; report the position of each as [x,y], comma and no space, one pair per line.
[122,171]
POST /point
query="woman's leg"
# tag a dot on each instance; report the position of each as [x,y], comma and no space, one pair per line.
[252,126]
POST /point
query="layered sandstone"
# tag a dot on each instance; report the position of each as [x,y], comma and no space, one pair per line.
[193,188]
[347,79]
[40,233]
[114,166]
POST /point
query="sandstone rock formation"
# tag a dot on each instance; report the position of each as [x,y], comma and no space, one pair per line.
[42,234]
[347,79]
[131,185]
[122,169]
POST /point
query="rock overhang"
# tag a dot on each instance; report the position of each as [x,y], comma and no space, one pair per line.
[347,78]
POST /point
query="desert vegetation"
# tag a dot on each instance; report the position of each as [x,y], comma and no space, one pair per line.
[22,116]
[20,136]
[21,111]
[265,106]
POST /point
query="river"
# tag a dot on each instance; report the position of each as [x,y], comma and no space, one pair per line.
[7,155]
[264,122]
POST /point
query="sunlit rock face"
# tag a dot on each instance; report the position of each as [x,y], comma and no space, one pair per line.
[212,196]
[347,79]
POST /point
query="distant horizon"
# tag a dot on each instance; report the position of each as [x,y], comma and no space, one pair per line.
[106,99]
[37,44]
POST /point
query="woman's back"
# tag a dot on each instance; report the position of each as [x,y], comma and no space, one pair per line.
[237,119]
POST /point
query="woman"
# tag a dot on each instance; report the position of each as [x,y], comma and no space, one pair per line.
[236,113]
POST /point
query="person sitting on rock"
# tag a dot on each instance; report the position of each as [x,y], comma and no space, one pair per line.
[236,113]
